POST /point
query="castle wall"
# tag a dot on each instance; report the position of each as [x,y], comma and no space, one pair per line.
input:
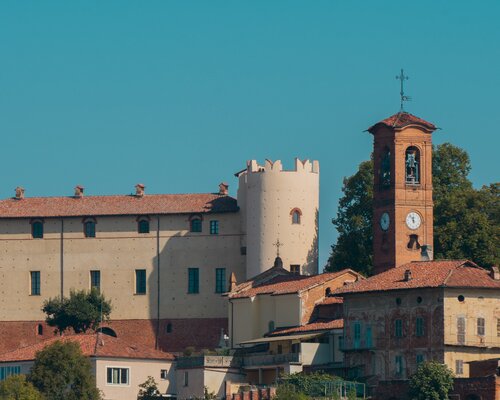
[267,196]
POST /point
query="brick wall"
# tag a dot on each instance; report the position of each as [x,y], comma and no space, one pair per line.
[255,394]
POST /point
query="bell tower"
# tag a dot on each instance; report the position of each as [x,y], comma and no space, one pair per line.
[402,191]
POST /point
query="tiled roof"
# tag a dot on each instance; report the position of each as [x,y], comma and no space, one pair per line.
[426,274]
[116,205]
[286,284]
[93,345]
[331,300]
[402,120]
[311,327]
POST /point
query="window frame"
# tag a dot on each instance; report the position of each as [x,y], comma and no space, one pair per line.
[35,283]
[9,370]
[143,222]
[93,274]
[89,233]
[295,269]
[138,281]
[461,329]
[459,367]
[195,224]
[419,326]
[120,369]
[214,227]
[193,280]
[220,280]
[357,334]
[398,328]
[37,228]
[296,216]
[481,326]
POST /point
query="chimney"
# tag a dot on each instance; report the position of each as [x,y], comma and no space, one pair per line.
[426,253]
[19,193]
[495,273]
[223,189]
[408,276]
[79,191]
[139,190]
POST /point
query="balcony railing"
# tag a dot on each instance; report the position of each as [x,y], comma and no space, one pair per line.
[271,359]
[472,340]
[209,361]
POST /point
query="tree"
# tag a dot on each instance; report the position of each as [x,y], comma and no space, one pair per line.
[62,372]
[466,220]
[82,311]
[432,381]
[16,387]
[148,390]
[312,385]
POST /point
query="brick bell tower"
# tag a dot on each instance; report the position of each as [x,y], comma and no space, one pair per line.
[402,191]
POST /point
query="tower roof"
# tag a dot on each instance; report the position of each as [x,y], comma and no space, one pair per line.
[403,120]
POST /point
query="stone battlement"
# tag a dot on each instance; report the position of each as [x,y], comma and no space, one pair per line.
[277,166]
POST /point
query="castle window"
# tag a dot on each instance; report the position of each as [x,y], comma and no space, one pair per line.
[35,283]
[461,330]
[95,280]
[398,328]
[296,216]
[39,329]
[385,169]
[140,281]
[193,280]
[89,227]
[295,269]
[357,335]
[419,327]
[368,336]
[37,229]
[459,367]
[412,165]
[399,365]
[195,224]
[420,359]
[168,328]
[214,227]
[163,374]
[328,292]
[480,326]
[220,280]
[143,225]
[413,243]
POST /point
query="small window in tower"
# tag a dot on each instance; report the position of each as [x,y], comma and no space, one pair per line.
[385,169]
[89,227]
[412,165]
[296,216]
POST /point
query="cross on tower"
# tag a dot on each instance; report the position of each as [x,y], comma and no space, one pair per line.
[278,244]
[402,77]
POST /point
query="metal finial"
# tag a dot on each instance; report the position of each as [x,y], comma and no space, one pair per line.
[402,77]
[278,244]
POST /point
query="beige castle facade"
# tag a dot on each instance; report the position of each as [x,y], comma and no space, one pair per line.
[163,260]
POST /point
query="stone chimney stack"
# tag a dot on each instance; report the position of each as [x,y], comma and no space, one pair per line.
[19,193]
[223,189]
[79,191]
[232,282]
[139,190]
[495,273]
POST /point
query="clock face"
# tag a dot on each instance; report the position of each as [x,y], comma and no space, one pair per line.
[413,220]
[385,221]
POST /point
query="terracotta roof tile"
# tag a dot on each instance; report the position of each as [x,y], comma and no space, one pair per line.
[402,120]
[94,345]
[286,284]
[443,273]
[311,327]
[116,205]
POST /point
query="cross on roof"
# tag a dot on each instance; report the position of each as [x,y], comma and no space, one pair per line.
[402,77]
[278,244]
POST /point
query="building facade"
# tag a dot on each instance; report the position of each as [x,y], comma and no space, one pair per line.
[163,260]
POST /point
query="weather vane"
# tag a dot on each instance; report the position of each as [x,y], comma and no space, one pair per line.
[402,77]
[278,244]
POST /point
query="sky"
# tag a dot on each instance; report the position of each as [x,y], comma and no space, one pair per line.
[179,94]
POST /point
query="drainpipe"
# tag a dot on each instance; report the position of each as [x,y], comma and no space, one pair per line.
[158,281]
[232,323]
[61,266]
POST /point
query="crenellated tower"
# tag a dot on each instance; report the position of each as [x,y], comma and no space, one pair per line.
[402,191]
[279,212]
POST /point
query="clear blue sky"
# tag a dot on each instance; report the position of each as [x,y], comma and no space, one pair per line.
[179,94]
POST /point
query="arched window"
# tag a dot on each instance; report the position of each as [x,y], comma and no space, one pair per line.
[89,227]
[143,225]
[385,168]
[296,216]
[37,229]
[195,223]
[39,329]
[412,166]
[328,292]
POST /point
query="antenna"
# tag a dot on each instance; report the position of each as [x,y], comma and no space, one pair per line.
[402,77]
